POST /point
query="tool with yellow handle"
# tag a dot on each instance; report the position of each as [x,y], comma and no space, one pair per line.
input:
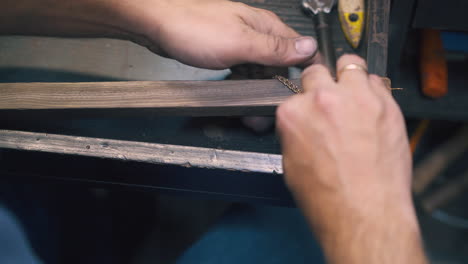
[352,15]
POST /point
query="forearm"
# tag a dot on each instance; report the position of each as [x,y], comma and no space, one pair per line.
[78,18]
[389,241]
[389,234]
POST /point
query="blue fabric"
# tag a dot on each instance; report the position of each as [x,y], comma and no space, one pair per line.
[257,235]
[269,235]
[455,41]
[14,247]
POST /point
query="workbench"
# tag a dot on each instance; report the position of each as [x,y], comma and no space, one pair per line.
[139,146]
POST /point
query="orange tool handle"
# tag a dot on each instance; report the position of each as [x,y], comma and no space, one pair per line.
[418,134]
[433,64]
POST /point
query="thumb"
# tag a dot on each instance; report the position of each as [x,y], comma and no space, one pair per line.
[274,50]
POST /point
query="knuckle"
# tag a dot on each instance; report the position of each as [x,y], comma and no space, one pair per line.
[289,111]
[316,69]
[374,107]
[286,110]
[326,100]
[276,46]
[271,14]
[375,78]
[377,81]
[378,108]
[393,113]
[243,9]
[368,100]
[241,6]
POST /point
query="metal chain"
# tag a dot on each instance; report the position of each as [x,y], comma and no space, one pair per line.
[286,82]
[296,89]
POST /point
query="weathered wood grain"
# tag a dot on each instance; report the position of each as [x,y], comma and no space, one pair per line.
[376,36]
[175,97]
[142,152]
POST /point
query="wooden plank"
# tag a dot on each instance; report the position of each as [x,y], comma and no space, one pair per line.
[376,37]
[142,152]
[175,97]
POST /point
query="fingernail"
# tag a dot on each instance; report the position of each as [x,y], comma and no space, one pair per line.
[306,46]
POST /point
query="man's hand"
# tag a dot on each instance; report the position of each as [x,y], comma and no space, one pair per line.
[347,162]
[213,34]
[218,34]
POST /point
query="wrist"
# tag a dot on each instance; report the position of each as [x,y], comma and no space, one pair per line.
[136,20]
[393,236]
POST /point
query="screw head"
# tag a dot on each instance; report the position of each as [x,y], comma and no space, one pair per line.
[353,17]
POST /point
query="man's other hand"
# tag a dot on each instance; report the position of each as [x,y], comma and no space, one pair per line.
[217,34]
